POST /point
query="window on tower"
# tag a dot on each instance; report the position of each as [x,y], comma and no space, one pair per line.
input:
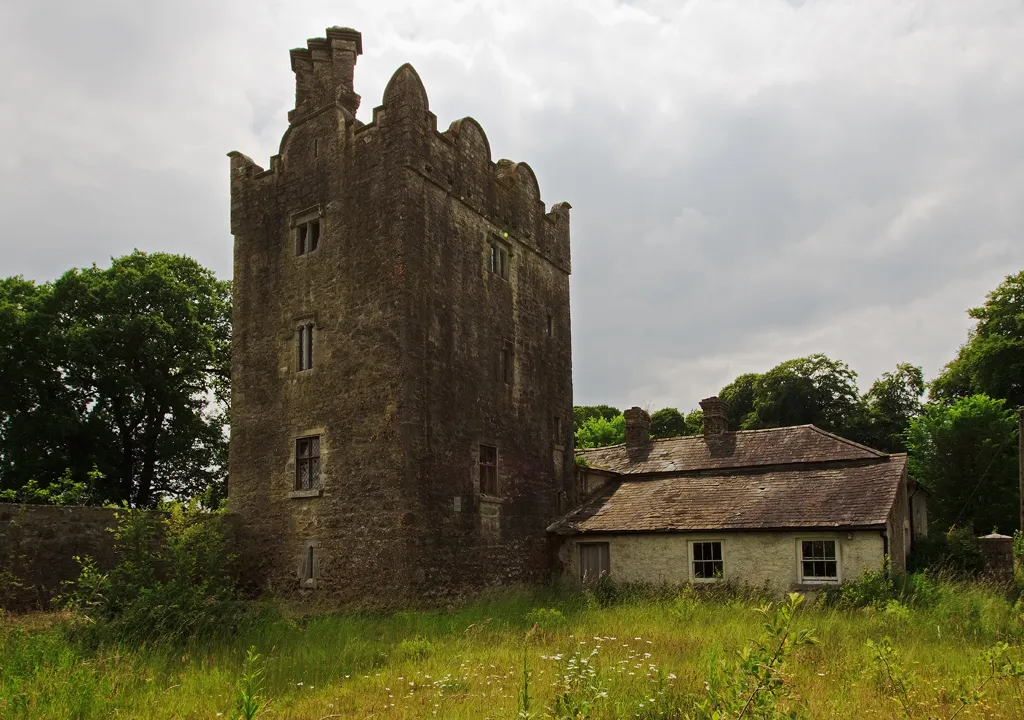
[488,470]
[304,338]
[307,237]
[497,259]
[307,463]
[507,370]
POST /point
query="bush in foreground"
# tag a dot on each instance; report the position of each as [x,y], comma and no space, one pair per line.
[174,580]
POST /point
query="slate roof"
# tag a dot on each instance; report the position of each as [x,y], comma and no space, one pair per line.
[746,448]
[855,495]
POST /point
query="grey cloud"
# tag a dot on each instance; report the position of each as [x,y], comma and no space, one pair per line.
[747,185]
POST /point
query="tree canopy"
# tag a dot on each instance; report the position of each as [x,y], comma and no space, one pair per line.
[888,406]
[964,452]
[582,413]
[118,378]
[992,359]
[598,431]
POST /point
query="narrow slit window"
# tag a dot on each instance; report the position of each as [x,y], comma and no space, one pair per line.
[314,235]
[556,429]
[307,463]
[305,346]
[488,470]
[507,363]
[549,329]
[818,561]
[707,561]
[309,563]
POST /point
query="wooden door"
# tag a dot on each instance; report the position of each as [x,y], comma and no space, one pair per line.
[593,562]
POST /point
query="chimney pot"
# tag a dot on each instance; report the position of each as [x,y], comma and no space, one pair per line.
[716,416]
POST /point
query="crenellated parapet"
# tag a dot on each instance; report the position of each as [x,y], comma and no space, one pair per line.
[403,131]
[459,162]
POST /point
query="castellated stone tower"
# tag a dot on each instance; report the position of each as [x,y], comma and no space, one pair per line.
[401,375]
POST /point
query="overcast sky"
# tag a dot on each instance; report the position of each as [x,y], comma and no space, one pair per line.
[750,181]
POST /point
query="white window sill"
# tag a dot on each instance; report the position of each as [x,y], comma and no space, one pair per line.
[315,492]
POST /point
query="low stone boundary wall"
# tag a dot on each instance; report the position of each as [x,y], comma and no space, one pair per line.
[38,544]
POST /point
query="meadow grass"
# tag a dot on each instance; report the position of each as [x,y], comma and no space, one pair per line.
[648,653]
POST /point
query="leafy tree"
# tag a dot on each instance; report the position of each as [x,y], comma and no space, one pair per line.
[63,492]
[740,396]
[41,433]
[695,422]
[992,360]
[889,405]
[124,369]
[812,389]
[600,431]
[668,422]
[582,413]
[965,453]
[954,382]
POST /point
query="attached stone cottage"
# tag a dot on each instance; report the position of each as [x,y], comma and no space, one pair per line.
[792,507]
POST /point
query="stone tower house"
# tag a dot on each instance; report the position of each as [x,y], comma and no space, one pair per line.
[401,372]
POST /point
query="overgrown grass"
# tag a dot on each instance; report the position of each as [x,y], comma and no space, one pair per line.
[647,655]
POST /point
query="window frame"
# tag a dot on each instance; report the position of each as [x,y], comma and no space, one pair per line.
[491,469]
[556,429]
[507,362]
[307,236]
[837,559]
[311,461]
[499,256]
[691,558]
[304,346]
[307,230]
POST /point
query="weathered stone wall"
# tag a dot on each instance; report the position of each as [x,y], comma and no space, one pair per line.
[898,528]
[38,544]
[755,558]
[409,327]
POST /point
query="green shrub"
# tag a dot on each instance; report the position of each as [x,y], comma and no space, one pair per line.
[953,553]
[754,685]
[871,589]
[173,580]
[896,612]
[417,648]
[546,618]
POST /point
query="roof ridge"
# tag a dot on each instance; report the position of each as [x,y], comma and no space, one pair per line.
[700,436]
[854,443]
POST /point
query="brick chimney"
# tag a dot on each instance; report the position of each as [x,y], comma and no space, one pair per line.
[716,416]
[638,428]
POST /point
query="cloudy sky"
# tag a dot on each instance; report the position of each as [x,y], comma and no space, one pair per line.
[751,181]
